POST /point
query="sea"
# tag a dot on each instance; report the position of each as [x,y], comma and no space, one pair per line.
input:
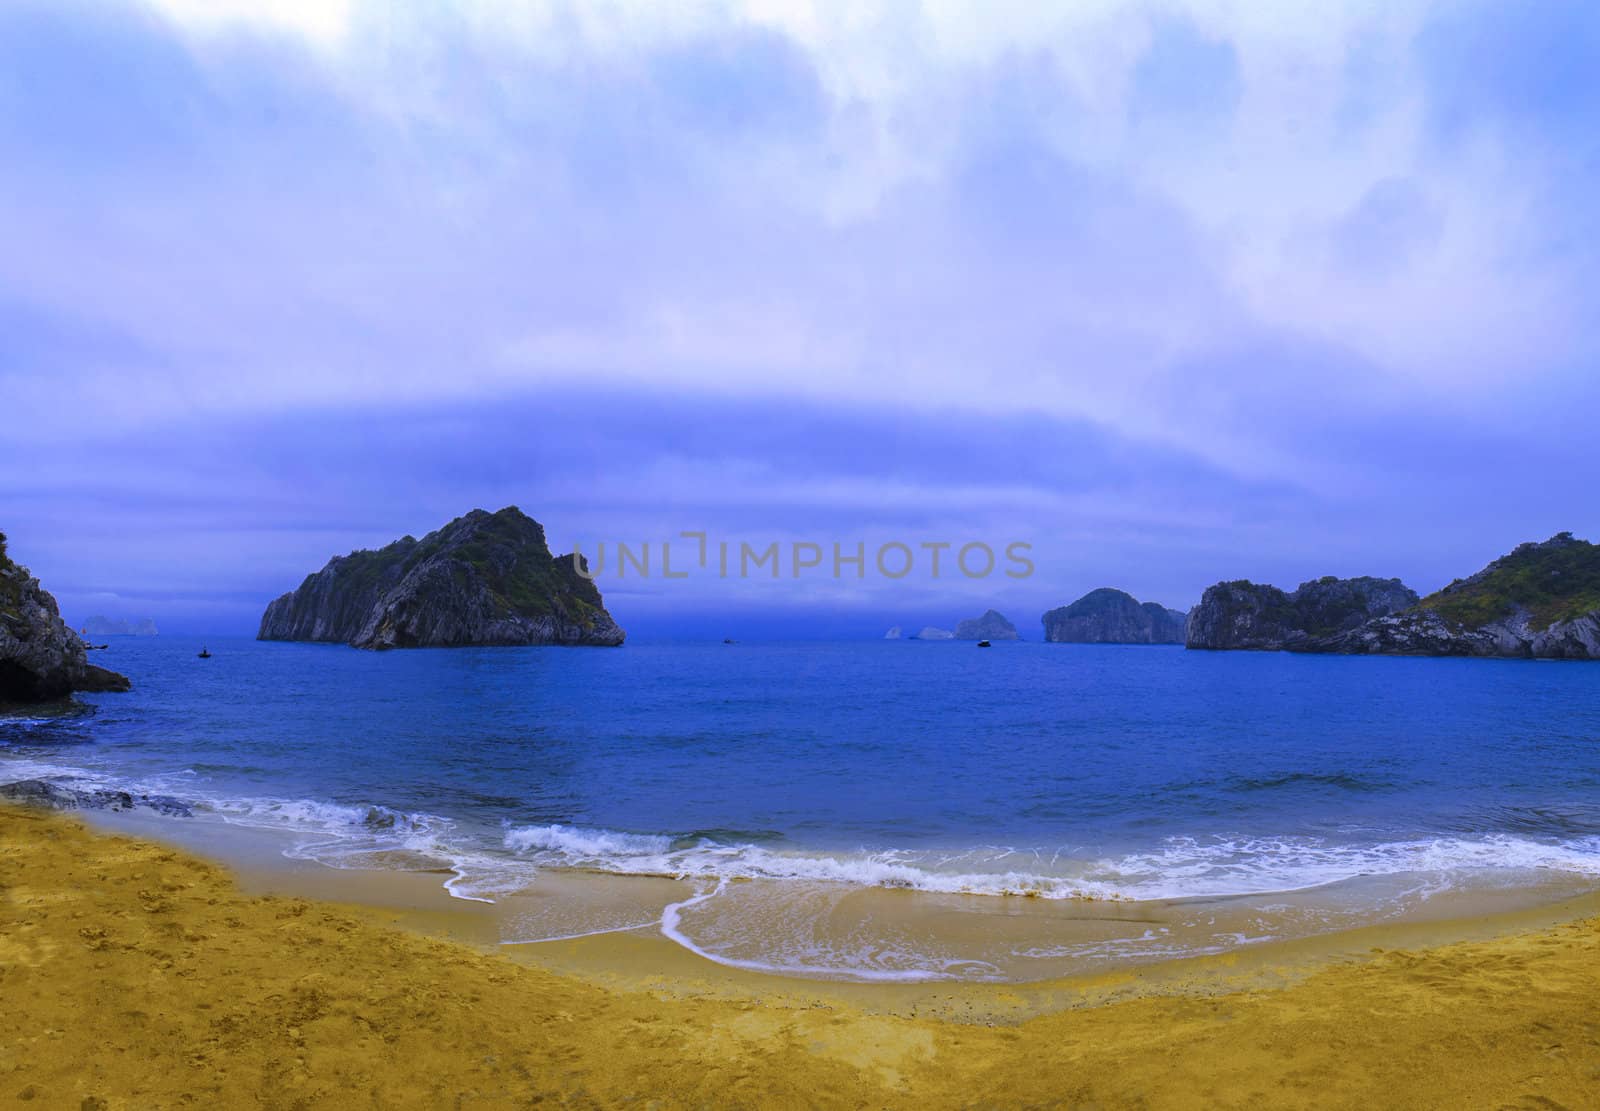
[896,810]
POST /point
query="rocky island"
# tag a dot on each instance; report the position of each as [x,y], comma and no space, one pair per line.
[991,626]
[483,579]
[102,626]
[1540,601]
[1108,616]
[1246,615]
[40,658]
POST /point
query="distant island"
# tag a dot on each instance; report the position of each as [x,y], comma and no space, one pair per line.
[40,658]
[99,626]
[1540,601]
[483,579]
[930,632]
[991,626]
[1108,616]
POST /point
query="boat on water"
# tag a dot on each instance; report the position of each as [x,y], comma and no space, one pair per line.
[205,653]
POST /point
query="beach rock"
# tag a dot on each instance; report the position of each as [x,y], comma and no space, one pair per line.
[893,633]
[931,633]
[40,658]
[59,796]
[991,626]
[483,579]
[1107,616]
[1247,615]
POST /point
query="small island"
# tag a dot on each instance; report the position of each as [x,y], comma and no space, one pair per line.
[102,626]
[991,626]
[483,579]
[1108,616]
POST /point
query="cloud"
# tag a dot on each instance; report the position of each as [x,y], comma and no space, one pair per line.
[1200,267]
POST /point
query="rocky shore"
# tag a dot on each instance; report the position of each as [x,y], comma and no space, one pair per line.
[41,659]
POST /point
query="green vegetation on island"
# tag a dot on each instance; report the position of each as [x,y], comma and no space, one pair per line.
[484,578]
[1558,580]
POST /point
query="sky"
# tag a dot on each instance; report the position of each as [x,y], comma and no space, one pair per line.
[1171,292]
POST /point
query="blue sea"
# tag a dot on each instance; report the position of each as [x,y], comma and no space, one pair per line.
[1080,775]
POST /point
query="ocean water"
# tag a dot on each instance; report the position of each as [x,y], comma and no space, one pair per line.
[777,783]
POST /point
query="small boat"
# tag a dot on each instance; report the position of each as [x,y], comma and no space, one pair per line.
[729,640]
[984,644]
[204,654]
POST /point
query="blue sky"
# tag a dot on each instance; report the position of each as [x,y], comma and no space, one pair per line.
[1174,292]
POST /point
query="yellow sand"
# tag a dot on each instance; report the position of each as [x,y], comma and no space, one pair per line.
[135,976]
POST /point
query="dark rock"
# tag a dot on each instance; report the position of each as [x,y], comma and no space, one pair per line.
[40,658]
[483,579]
[60,796]
[1247,615]
[1540,601]
[1108,616]
[991,626]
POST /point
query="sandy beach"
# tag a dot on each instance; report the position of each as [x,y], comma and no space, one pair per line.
[133,974]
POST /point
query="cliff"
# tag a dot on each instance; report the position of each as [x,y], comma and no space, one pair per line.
[40,658]
[1243,614]
[991,626]
[483,579]
[1541,601]
[1108,616]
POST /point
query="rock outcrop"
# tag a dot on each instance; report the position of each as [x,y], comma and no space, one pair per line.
[1108,616]
[483,579]
[1247,615]
[991,626]
[40,658]
[893,633]
[929,632]
[48,795]
[1542,600]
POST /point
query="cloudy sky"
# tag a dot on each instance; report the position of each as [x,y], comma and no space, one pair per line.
[1174,292]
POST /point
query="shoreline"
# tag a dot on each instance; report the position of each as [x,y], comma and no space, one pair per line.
[615,927]
[140,975]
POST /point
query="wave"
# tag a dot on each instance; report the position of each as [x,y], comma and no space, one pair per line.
[343,835]
[1180,868]
[483,862]
[1338,780]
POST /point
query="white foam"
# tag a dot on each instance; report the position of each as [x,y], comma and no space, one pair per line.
[1179,868]
[922,969]
[350,835]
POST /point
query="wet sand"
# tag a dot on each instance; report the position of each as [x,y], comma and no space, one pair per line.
[898,939]
[136,975]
